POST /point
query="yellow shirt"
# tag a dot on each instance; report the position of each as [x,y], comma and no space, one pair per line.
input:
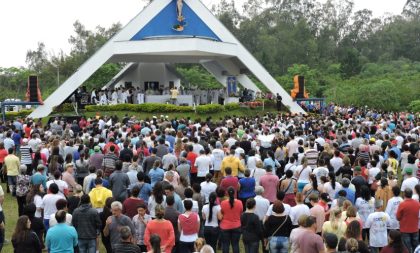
[234,163]
[393,165]
[339,231]
[98,196]
[12,164]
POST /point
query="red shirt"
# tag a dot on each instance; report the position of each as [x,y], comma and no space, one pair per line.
[229,181]
[191,156]
[408,215]
[108,145]
[231,216]
[130,206]
[3,154]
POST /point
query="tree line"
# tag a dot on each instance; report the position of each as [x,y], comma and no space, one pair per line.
[346,55]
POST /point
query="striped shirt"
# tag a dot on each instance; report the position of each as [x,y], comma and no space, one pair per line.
[25,154]
[312,156]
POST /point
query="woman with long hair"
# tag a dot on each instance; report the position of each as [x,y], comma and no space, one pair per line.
[35,196]
[288,185]
[155,244]
[230,221]
[335,225]
[365,205]
[157,198]
[161,227]
[384,192]
[352,246]
[353,231]
[396,244]
[24,240]
[311,188]
[251,227]
[82,170]
[211,224]
[302,174]
[332,186]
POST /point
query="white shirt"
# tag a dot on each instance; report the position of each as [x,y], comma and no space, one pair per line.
[409,183]
[372,174]
[297,211]
[207,188]
[62,185]
[391,210]
[48,203]
[195,207]
[336,163]
[217,157]
[53,221]
[257,174]
[197,148]
[214,222]
[302,174]
[287,209]
[378,222]
[252,162]
[319,172]
[292,147]
[261,206]
[331,192]
[203,164]
[365,208]
[38,204]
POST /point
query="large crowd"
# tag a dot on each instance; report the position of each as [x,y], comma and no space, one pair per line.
[346,181]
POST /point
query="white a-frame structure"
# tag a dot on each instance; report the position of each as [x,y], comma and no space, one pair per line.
[157,34]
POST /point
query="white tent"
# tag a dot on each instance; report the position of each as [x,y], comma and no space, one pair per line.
[152,37]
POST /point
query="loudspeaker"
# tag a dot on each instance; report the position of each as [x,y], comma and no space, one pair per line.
[33,88]
[301,81]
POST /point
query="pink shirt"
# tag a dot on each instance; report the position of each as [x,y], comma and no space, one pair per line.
[231,216]
[318,212]
[270,183]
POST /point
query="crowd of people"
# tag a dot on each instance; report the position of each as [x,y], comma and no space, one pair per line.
[347,181]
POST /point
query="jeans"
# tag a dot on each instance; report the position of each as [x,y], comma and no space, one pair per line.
[186,247]
[87,245]
[279,244]
[211,234]
[47,225]
[251,247]
[410,240]
[231,236]
[11,180]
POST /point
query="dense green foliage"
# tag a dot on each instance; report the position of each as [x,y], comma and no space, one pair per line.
[346,55]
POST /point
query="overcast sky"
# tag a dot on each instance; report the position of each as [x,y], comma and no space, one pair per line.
[23,23]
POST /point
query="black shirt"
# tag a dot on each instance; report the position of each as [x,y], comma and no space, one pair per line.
[274,222]
[251,227]
[126,247]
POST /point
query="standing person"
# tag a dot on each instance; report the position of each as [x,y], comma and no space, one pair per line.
[251,228]
[278,102]
[298,210]
[217,156]
[270,182]
[408,215]
[396,244]
[156,174]
[130,204]
[295,234]
[335,225]
[246,187]
[61,237]
[230,225]
[309,241]
[119,183]
[140,221]
[211,225]
[172,214]
[188,226]
[191,157]
[302,174]
[87,223]
[392,208]
[126,244]
[377,223]
[25,240]
[203,164]
[99,195]
[3,154]
[277,229]
[229,181]
[161,227]
[288,185]
[207,187]
[317,211]
[22,188]
[11,165]
[68,176]
[48,204]
[115,222]
[103,215]
[365,206]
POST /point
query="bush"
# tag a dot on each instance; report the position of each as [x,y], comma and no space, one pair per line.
[20,114]
[211,108]
[66,107]
[414,106]
[232,106]
[267,102]
[148,107]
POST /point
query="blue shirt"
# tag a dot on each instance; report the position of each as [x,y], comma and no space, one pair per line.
[156,175]
[271,162]
[61,238]
[351,195]
[170,139]
[39,178]
[247,187]
[145,191]
[16,138]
